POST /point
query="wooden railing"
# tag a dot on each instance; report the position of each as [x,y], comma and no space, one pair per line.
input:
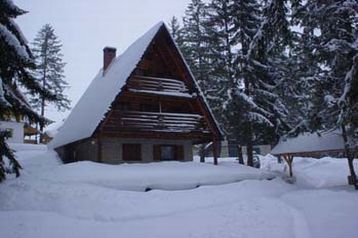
[156,121]
[155,84]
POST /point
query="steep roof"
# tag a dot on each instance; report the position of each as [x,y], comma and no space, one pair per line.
[97,99]
[310,142]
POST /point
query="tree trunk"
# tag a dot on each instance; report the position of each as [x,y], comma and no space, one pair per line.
[44,78]
[350,158]
[215,152]
[289,161]
[239,154]
[202,153]
[249,152]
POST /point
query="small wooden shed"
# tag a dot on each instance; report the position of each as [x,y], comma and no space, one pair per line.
[143,106]
[309,145]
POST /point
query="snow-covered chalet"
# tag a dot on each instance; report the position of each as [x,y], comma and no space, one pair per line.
[143,106]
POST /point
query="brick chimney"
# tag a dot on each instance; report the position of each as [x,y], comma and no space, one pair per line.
[109,53]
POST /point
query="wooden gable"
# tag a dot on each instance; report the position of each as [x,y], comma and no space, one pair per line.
[160,99]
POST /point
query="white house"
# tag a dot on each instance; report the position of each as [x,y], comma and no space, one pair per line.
[16,131]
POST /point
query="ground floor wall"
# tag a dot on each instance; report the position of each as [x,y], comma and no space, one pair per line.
[119,150]
[82,150]
[113,149]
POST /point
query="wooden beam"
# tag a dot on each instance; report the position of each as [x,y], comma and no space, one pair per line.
[289,160]
[215,151]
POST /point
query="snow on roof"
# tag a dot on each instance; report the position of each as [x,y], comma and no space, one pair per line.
[310,142]
[96,100]
[53,128]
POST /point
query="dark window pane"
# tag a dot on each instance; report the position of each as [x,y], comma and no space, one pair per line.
[132,152]
[167,152]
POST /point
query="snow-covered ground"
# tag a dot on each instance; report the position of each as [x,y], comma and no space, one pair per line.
[94,200]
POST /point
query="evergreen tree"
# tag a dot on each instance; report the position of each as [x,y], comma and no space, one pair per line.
[176,31]
[256,112]
[196,48]
[335,99]
[240,106]
[220,31]
[298,87]
[49,70]
[15,63]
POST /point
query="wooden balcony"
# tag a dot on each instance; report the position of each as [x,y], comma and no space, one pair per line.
[156,122]
[161,86]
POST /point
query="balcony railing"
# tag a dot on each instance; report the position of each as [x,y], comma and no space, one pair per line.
[159,121]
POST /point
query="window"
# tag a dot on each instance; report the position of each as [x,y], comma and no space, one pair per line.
[131,152]
[168,152]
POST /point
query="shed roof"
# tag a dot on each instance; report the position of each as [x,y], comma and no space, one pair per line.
[310,142]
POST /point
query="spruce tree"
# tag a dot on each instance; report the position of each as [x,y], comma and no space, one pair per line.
[176,31]
[335,99]
[219,26]
[256,111]
[196,47]
[49,70]
[240,105]
[15,64]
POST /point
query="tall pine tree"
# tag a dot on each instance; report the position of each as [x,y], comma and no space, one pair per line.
[242,112]
[220,31]
[194,35]
[15,64]
[49,70]
[336,50]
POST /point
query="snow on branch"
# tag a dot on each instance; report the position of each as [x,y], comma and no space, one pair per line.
[23,39]
[252,104]
[10,4]
[3,100]
[9,37]
[256,117]
[348,80]
[338,44]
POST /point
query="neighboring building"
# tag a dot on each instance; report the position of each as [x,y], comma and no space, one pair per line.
[143,106]
[16,130]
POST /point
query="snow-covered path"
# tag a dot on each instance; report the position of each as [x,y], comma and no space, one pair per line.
[65,205]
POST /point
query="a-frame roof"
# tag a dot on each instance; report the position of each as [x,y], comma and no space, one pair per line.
[97,99]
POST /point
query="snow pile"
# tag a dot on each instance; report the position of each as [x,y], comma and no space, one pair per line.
[84,200]
[144,177]
[27,147]
[311,172]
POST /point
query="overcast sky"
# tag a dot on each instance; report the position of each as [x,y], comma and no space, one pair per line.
[86,26]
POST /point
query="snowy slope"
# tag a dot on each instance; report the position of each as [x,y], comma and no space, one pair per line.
[76,202]
[312,173]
